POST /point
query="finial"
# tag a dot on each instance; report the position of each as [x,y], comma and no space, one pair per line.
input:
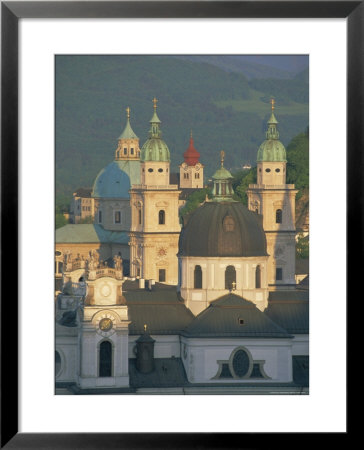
[145,327]
[128,112]
[222,154]
[155,102]
[272,102]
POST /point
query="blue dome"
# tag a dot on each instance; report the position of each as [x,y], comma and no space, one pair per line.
[115,180]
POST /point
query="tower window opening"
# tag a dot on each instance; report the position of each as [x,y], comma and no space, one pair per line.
[125,151]
[197,175]
[105,359]
[223,189]
[140,216]
[161,217]
[117,217]
[150,170]
[162,275]
[230,277]
[279,274]
[279,216]
[197,277]
[241,321]
[132,151]
[278,170]
[257,277]
[267,170]
[160,170]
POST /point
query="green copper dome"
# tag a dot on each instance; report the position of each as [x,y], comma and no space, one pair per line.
[128,132]
[272,148]
[155,149]
[223,190]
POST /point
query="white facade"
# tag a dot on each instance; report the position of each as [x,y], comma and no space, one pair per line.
[213,280]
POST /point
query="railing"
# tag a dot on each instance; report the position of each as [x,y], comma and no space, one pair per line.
[271,186]
[105,272]
[157,186]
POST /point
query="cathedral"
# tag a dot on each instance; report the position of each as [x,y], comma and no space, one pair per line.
[146,304]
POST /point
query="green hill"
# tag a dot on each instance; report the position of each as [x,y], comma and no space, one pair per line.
[225,110]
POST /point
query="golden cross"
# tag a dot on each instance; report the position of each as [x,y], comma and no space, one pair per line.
[128,112]
[222,154]
[155,102]
[272,101]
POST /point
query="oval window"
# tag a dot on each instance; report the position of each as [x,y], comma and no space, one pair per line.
[278,170]
[241,363]
[150,170]
[160,170]
[267,170]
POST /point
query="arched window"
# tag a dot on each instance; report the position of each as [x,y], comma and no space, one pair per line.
[257,277]
[230,277]
[105,360]
[161,217]
[140,216]
[197,277]
[279,216]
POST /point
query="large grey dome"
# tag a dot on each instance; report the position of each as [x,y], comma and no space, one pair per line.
[223,229]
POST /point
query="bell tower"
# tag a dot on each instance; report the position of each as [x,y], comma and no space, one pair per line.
[275,200]
[155,224]
[191,170]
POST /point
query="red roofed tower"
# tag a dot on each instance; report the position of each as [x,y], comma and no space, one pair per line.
[191,170]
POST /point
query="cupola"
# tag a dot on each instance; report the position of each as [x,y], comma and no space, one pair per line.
[191,155]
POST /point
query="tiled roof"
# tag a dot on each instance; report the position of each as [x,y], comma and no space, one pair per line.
[160,309]
[223,319]
[89,233]
[290,310]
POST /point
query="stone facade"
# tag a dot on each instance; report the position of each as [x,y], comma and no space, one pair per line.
[154,233]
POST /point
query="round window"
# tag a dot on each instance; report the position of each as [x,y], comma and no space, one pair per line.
[241,363]
[150,170]
[267,170]
[160,170]
[278,170]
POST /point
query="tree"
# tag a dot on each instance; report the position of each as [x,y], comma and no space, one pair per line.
[60,221]
[302,246]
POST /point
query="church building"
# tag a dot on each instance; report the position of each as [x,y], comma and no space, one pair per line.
[220,318]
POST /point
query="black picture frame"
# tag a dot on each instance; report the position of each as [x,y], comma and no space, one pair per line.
[11,12]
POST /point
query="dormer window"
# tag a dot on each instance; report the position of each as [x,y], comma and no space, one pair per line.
[228,223]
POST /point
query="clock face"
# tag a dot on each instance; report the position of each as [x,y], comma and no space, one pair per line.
[105,324]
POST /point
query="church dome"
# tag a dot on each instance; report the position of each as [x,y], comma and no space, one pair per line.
[272,148]
[115,180]
[155,149]
[223,229]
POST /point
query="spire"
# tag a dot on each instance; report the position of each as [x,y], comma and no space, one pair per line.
[272,132]
[191,155]
[155,131]
[223,190]
[128,132]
